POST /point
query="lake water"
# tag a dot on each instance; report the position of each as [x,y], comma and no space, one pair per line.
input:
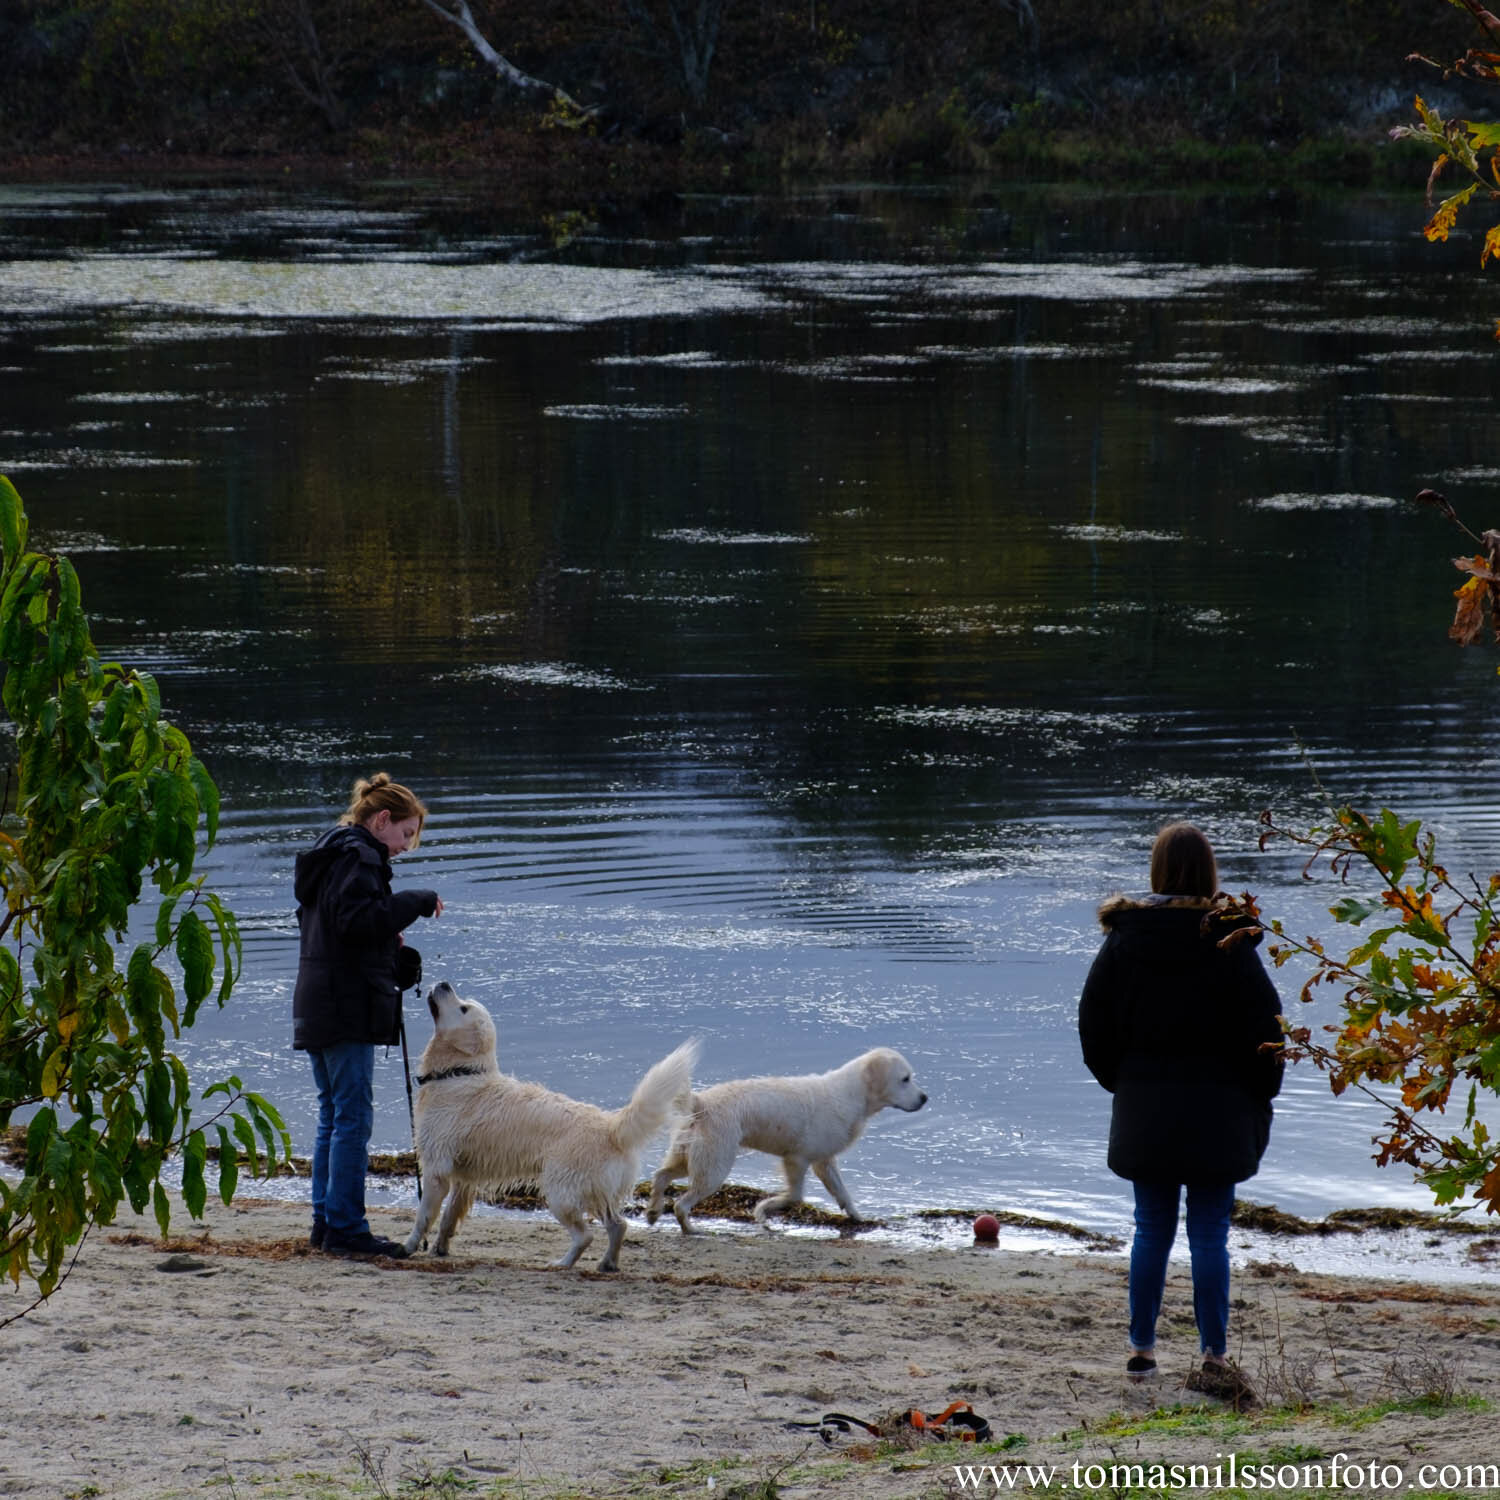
[798,613]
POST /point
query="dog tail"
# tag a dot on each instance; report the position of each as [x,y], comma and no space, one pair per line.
[659,1097]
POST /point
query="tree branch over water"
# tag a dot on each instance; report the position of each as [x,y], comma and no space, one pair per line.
[457,13]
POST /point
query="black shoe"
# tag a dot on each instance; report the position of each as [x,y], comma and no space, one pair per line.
[319,1234]
[364,1244]
[1140,1367]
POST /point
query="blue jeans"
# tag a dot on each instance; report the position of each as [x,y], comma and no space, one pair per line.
[1208,1210]
[345,1075]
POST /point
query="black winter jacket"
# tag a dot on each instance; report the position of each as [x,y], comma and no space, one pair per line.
[1171,1025]
[351,926]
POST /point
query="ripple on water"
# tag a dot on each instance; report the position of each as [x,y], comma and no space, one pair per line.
[91,458]
[548,674]
[603,412]
[1223,385]
[702,536]
[1309,501]
[1094,533]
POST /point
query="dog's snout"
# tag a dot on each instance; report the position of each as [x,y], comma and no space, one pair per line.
[921,1100]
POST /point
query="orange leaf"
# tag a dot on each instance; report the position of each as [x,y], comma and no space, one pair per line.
[1441,222]
[1489,1191]
[1468,618]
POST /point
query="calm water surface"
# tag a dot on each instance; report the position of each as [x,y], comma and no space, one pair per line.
[798,614]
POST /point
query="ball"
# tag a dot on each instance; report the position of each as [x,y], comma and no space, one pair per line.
[986,1227]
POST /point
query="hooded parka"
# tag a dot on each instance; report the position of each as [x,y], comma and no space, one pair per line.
[351,925]
[1172,1025]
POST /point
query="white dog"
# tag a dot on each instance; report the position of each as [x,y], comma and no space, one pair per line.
[805,1121]
[480,1128]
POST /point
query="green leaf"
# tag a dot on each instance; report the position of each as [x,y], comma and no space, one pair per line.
[160,1116]
[39,1134]
[166,816]
[143,998]
[271,1126]
[1355,911]
[12,523]
[136,1175]
[246,1135]
[161,1208]
[268,1135]
[229,1165]
[208,799]
[164,918]
[194,1155]
[195,952]
[1370,947]
[230,947]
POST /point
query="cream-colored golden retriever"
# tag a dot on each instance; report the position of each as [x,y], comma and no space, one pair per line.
[480,1128]
[806,1121]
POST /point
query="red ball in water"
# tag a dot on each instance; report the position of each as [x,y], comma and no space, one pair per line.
[986,1227]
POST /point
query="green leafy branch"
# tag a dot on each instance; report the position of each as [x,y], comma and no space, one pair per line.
[104,796]
[1420,994]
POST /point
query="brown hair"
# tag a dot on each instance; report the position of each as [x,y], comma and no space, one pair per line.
[1182,863]
[381,794]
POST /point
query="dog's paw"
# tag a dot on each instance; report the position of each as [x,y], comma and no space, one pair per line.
[652,1215]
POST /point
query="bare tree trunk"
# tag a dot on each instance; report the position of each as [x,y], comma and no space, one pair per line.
[311,57]
[457,13]
[1030,31]
[695,29]
[320,87]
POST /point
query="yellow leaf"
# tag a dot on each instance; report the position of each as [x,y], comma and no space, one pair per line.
[52,1072]
[1491,245]
[119,1022]
[1447,215]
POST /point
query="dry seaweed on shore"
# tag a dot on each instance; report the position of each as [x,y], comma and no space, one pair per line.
[1269,1219]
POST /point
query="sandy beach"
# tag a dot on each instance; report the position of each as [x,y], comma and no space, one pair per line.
[233,1361]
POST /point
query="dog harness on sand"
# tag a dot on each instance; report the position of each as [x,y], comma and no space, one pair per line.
[958,1422]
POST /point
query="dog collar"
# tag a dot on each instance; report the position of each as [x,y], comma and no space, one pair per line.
[449,1073]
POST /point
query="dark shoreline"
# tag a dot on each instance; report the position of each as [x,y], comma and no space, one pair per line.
[531,176]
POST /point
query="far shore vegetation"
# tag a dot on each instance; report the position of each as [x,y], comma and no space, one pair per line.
[615,100]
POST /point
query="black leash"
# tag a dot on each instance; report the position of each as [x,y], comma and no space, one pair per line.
[411,1112]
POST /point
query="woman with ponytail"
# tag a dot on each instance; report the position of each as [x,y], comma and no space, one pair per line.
[348,996]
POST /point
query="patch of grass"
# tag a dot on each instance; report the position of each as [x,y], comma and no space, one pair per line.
[1219,1421]
[1355,1418]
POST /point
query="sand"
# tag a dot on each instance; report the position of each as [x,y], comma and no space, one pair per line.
[257,1368]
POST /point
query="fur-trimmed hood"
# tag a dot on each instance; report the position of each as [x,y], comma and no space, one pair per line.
[1112,906]
[1169,928]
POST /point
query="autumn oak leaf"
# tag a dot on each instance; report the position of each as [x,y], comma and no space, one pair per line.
[1468,617]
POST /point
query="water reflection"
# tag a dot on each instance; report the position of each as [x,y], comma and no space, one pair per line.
[797,615]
